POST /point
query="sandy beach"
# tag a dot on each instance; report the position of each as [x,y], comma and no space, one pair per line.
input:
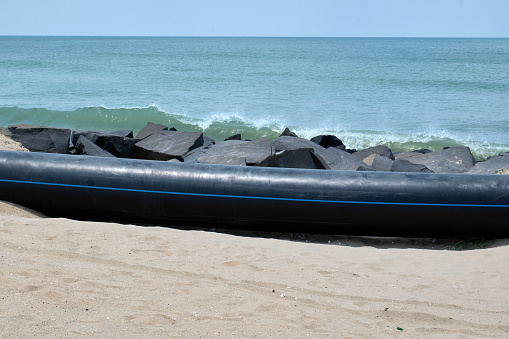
[66,278]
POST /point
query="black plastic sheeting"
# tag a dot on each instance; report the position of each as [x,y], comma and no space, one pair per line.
[269,199]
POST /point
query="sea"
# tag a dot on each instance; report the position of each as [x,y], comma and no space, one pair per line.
[406,93]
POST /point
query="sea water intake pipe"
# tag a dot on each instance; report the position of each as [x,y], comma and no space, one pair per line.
[291,200]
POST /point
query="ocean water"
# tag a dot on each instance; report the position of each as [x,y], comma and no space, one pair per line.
[403,93]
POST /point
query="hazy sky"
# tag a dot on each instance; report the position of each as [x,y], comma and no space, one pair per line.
[338,18]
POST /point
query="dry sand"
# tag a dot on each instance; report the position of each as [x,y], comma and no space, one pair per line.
[8,144]
[66,278]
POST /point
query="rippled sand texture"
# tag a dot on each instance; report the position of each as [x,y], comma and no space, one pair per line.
[67,278]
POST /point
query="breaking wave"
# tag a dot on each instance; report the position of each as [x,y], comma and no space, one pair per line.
[221,125]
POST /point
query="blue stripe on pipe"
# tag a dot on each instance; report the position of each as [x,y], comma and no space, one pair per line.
[248,197]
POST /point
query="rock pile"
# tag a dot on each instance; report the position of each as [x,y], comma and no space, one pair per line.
[157,142]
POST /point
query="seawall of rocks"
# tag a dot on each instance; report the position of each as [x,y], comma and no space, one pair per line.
[327,152]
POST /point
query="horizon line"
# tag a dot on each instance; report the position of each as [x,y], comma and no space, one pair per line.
[252,36]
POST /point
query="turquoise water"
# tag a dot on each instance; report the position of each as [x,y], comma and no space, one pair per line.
[404,93]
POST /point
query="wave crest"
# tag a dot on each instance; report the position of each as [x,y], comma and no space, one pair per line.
[221,125]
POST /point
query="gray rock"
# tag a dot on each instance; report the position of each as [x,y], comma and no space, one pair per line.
[380,150]
[492,165]
[149,129]
[379,162]
[288,133]
[166,145]
[299,158]
[84,146]
[124,133]
[288,143]
[75,135]
[116,144]
[341,160]
[405,155]
[41,138]
[335,158]
[422,150]
[328,141]
[208,141]
[402,165]
[450,160]
[234,137]
[253,151]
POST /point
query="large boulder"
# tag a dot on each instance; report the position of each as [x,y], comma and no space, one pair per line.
[84,146]
[149,129]
[124,133]
[492,165]
[335,158]
[402,165]
[379,162]
[41,138]
[380,150]
[208,141]
[450,160]
[75,135]
[327,141]
[167,145]
[405,155]
[118,143]
[254,152]
[341,160]
[237,136]
[299,158]
[288,133]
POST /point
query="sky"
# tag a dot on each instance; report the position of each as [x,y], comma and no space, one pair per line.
[281,18]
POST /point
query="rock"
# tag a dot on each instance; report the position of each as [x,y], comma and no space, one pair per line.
[75,135]
[341,160]
[493,165]
[208,141]
[288,133]
[253,151]
[380,150]
[149,129]
[450,160]
[402,165]
[422,151]
[328,141]
[124,133]
[299,158]
[166,145]
[84,146]
[234,137]
[41,138]
[116,144]
[379,162]
[287,143]
[405,155]
[335,158]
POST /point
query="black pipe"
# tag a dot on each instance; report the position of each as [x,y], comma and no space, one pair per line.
[291,200]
